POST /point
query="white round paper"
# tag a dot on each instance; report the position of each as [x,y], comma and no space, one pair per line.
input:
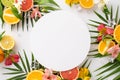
[60,40]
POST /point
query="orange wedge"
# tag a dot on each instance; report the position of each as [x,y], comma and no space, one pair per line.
[86,3]
[35,75]
[9,17]
[104,45]
[1,55]
[116,34]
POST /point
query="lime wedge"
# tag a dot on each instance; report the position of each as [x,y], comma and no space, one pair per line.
[7,3]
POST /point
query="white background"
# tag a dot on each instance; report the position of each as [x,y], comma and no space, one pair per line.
[22,38]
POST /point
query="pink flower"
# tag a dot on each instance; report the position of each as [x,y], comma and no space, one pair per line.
[35,13]
[99,38]
[115,50]
[101,27]
[49,75]
[109,30]
[12,58]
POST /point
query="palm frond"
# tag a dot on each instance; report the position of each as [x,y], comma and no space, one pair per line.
[93,31]
[93,25]
[106,12]
[100,17]
[93,50]
[18,77]
[97,22]
[117,77]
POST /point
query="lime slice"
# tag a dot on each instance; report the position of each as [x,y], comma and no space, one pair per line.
[7,3]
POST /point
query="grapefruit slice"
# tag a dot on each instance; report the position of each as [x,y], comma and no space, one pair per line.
[70,74]
[2,56]
[26,5]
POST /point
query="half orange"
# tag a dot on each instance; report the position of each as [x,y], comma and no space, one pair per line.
[116,34]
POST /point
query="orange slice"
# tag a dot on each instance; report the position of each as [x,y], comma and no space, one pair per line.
[9,17]
[1,55]
[104,45]
[116,34]
[35,75]
[86,3]
[7,42]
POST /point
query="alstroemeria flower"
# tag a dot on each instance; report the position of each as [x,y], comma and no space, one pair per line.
[115,50]
[84,74]
[109,30]
[35,13]
[12,58]
[49,75]
[99,38]
[101,28]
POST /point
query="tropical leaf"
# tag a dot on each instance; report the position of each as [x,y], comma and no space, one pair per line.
[101,17]
[106,12]
[93,25]
[116,17]
[93,31]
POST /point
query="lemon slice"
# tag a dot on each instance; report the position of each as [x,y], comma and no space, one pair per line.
[7,42]
[9,17]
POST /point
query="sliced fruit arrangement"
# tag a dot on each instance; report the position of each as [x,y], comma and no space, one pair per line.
[7,44]
[14,12]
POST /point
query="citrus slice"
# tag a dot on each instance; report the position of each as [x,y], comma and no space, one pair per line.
[7,42]
[1,55]
[70,74]
[86,3]
[116,34]
[7,3]
[104,45]
[9,17]
[35,75]
[26,5]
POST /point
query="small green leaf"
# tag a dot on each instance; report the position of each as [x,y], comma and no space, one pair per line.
[23,63]
[16,77]
[15,12]
[119,22]
[116,17]
[106,11]
[113,66]
[18,66]
[94,42]
[104,66]
[1,35]
[27,62]
[27,21]
[93,25]
[117,77]
[23,17]
[93,31]
[111,14]
[50,8]
[112,73]
[12,69]
[118,58]
[94,37]
[12,73]
[1,10]
[101,17]
[97,22]
[93,50]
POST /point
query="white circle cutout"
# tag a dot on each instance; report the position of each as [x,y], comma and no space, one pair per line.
[60,40]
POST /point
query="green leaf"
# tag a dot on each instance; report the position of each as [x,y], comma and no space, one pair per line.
[23,63]
[15,12]
[32,22]
[18,66]
[97,22]
[112,73]
[93,31]
[94,37]
[27,62]
[113,66]
[104,66]
[116,17]
[118,58]
[11,69]
[1,10]
[93,25]
[117,77]
[119,22]
[1,35]
[23,17]
[94,42]
[106,12]
[17,77]
[12,73]
[101,17]
[111,14]
[79,79]
[93,50]
[50,8]
[27,21]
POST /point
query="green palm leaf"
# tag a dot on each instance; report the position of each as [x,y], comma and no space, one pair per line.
[116,17]
[18,77]
[106,12]
[93,31]
[117,77]
[101,17]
